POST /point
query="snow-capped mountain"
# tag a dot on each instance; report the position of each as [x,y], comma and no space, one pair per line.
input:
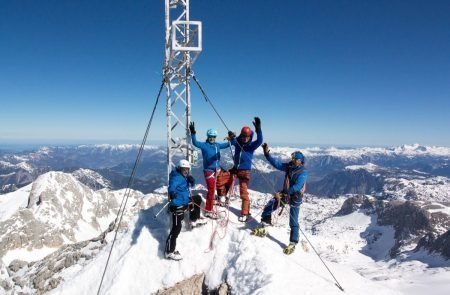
[55,210]
[115,162]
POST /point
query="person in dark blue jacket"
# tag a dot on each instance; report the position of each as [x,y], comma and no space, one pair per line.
[292,193]
[180,200]
[243,157]
[211,164]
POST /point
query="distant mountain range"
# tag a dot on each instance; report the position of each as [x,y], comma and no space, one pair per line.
[384,172]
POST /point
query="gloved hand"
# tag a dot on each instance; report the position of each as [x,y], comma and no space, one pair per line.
[191,180]
[192,128]
[231,135]
[266,150]
[257,124]
[278,196]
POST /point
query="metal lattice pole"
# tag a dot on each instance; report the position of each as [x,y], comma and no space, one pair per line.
[183,45]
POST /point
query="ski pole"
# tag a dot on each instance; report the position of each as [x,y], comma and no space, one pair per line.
[156,215]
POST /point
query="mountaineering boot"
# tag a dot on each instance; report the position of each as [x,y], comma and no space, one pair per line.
[175,255]
[290,248]
[260,231]
[199,222]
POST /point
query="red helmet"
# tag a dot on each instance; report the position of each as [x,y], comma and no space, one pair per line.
[246,131]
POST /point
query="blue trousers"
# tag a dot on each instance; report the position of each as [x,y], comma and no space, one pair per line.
[294,211]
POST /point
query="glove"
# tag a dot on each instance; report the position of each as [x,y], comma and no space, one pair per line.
[190,179]
[266,150]
[231,135]
[257,124]
[281,197]
[172,196]
[192,128]
[278,196]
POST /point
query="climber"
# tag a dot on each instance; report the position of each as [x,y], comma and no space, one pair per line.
[180,182]
[211,164]
[292,193]
[243,156]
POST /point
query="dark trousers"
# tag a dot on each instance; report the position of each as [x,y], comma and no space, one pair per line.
[177,214]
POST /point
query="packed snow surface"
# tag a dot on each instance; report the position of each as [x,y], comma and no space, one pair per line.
[254,265]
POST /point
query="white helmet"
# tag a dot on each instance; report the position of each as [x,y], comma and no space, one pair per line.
[184,164]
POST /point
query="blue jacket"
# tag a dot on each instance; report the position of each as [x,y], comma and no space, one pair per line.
[243,156]
[210,153]
[297,175]
[179,188]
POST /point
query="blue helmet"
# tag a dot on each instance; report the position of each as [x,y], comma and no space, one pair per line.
[298,156]
[211,133]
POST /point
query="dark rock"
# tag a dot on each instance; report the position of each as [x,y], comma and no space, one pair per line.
[407,218]
[440,244]
[354,203]
[16,265]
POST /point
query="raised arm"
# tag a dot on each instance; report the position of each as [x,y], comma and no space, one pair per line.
[195,142]
[194,137]
[259,137]
[276,163]
[223,145]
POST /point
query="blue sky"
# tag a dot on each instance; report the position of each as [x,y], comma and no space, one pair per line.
[316,72]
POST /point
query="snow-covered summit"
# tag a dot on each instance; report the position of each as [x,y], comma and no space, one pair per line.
[59,210]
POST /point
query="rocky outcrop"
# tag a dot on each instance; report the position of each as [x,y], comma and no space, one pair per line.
[195,285]
[415,223]
[435,244]
[409,220]
[45,275]
[355,203]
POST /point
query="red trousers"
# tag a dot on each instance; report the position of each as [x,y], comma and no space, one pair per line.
[224,182]
[210,178]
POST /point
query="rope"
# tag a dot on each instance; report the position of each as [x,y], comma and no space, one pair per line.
[221,222]
[210,102]
[317,253]
[129,185]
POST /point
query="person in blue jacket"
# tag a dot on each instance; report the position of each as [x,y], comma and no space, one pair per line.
[243,157]
[181,200]
[211,164]
[292,193]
